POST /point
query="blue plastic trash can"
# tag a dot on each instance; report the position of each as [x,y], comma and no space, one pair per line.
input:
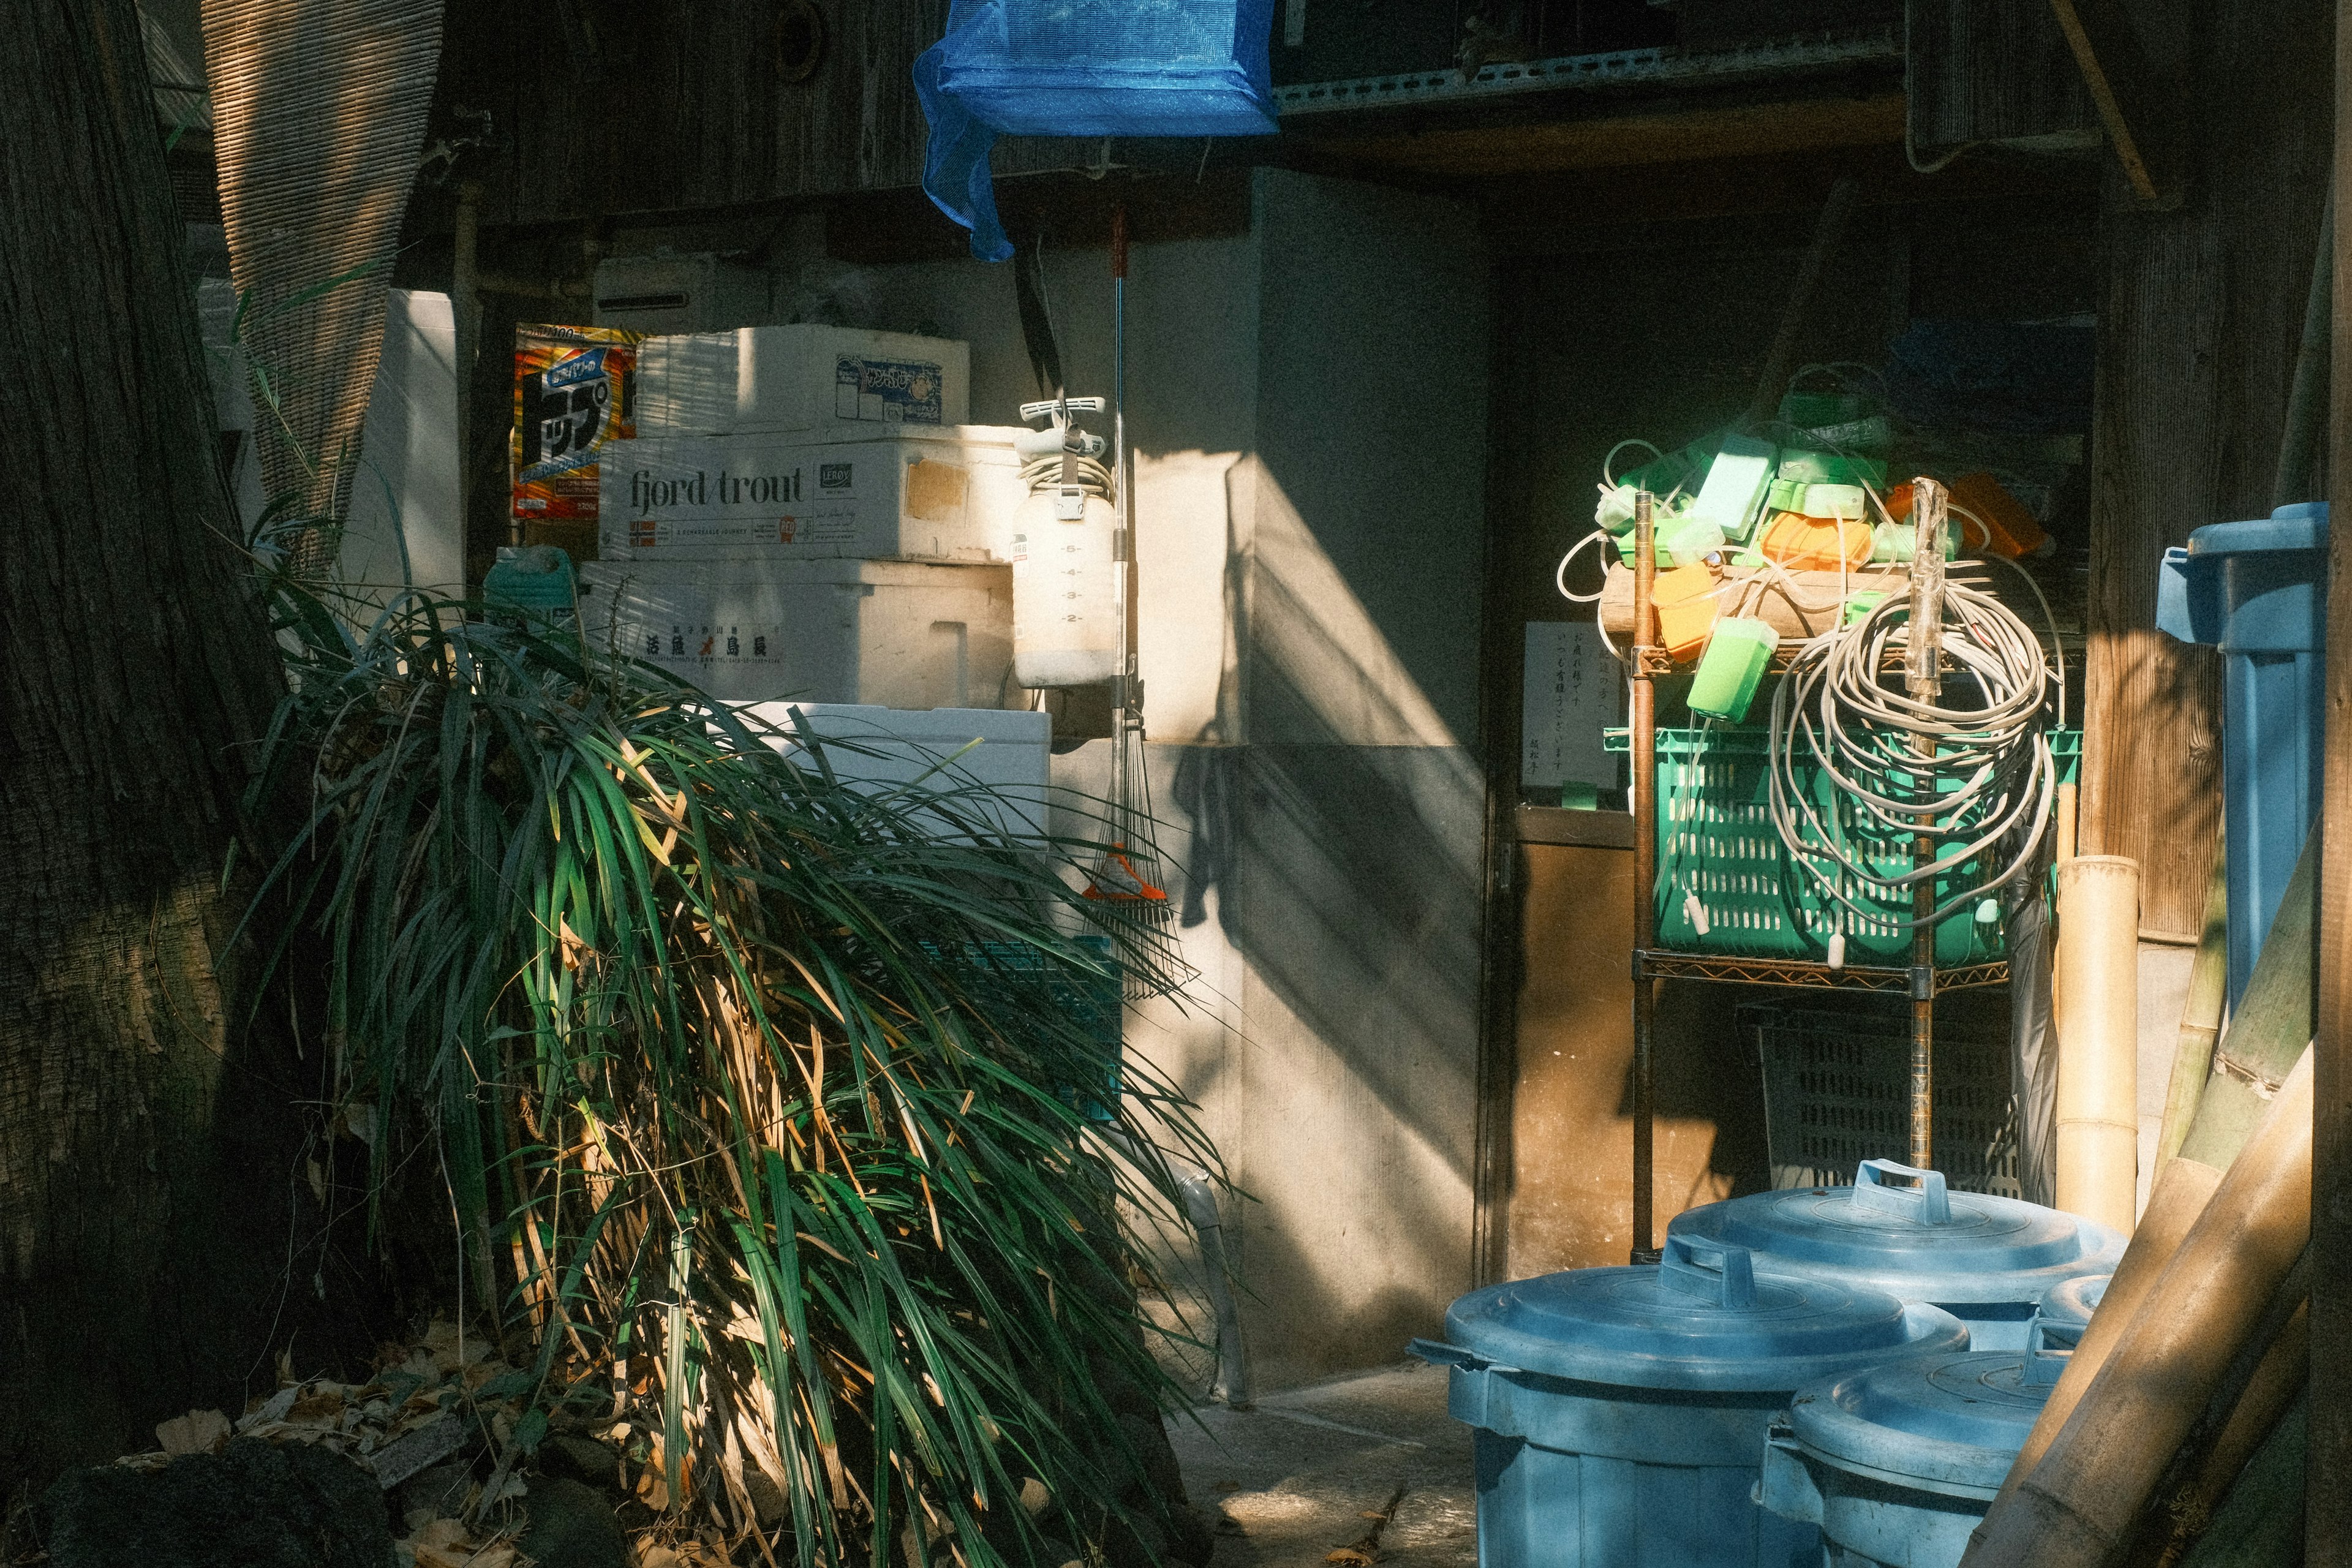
[1621,1413]
[1986,1260]
[1897,1464]
[2258,591]
[2067,1308]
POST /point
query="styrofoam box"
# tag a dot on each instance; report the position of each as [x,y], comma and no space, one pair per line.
[881,746]
[807,382]
[746,498]
[903,633]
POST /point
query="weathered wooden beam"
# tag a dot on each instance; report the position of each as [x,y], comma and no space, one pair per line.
[2125,88]
[2327,1512]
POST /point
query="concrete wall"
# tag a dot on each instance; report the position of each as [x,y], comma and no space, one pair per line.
[1308,406]
[1308,403]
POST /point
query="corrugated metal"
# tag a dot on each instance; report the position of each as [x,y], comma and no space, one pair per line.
[318,113]
[1617,69]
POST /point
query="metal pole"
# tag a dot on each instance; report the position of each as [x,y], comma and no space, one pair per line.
[1923,678]
[1644,719]
[465,313]
[1123,551]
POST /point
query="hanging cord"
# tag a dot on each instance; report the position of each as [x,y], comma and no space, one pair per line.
[1859,733]
[1044,474]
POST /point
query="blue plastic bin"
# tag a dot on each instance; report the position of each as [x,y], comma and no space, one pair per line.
[1621,1413]
[2258,591]
[2067,1308]
[1897,1464]
[1986,1260]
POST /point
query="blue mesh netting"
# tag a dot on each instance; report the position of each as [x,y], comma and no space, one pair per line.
[1083,68]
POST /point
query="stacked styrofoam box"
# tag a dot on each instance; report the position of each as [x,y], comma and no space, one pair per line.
[947,497]
[804,514]
[801,384]
[875,747]
[903,633]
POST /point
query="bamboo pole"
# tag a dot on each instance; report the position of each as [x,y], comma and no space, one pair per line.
[2095,1007]
[2178,1198]
[2200,1017]
[2078,1505]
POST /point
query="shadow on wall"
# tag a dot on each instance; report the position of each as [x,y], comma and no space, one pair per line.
[1336,852]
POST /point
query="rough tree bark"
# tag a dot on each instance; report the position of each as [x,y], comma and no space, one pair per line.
[153,1247]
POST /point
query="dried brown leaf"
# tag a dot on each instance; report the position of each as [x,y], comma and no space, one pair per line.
[197,1432]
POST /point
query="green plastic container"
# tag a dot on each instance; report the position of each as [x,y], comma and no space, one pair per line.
[534,578]
[1736,482]
[1732,669]
[1716,841]
[1830,468]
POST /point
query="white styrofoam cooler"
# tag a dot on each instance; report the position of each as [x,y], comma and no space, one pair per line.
[878,746]
[805,383]
[903,633]
[739,498]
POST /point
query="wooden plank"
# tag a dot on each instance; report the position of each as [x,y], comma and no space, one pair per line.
[1660,136]
[1571,1128]
[681,106]
[2327,1513]
[1992,70]
[2134,105]
[2199,321]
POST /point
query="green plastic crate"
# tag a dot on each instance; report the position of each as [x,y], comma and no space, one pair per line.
[1094,1002]
[1717,839]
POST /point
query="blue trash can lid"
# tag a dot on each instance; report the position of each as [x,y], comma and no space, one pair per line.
[2071,1304]
[1702,1318]
[1951,1422]
[2302,526]
[1922,1243]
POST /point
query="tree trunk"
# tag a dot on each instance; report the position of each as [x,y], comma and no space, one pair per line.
[152,1253]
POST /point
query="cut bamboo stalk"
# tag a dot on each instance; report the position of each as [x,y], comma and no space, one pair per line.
[2181,1190]
[2275,1385]
[2078,1505]
[2269,1028]
[2095,1004]
[2200,1017]
[2260,1524]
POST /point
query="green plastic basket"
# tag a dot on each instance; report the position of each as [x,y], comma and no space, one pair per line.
[1716,840]
[1094,1002]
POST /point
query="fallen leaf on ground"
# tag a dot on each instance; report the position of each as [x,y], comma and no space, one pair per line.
[197,1432]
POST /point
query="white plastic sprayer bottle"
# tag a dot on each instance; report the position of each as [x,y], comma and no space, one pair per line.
[1065,606]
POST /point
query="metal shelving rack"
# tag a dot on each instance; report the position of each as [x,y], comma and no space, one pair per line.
[1922,980]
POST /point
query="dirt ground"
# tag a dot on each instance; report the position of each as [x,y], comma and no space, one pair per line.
[1293,1479]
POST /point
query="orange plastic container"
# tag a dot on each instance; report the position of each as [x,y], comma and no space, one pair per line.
[1813,543]
[1685,603]
[2013,530]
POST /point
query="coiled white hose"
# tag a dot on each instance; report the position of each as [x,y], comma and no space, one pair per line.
[1045,474]
[1836,708]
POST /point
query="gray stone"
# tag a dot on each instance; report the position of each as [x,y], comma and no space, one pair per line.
[250,1506]
[580,1458]
[441,1489]
[573,1526]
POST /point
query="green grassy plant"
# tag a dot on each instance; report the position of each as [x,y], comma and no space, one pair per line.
[761,1100]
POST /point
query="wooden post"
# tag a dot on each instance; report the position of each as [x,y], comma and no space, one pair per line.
[2327,1509]
[1644,804]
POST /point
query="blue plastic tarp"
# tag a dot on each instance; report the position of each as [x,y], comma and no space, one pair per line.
[1083,68]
